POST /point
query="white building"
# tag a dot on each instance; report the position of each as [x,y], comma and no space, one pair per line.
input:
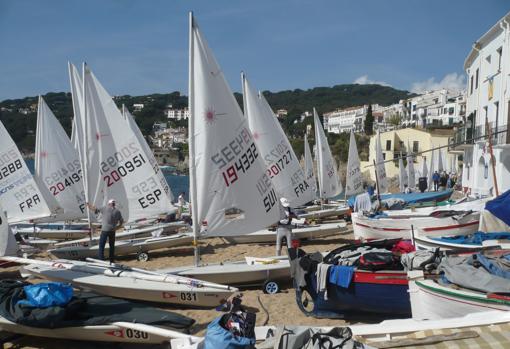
[138,106]
[451,113]
[343,120]
[488,97]
[177,114]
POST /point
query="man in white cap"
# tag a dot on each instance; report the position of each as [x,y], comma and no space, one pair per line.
[111,220]
[284,226]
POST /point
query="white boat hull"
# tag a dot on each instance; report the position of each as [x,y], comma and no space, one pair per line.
[269,236]
[133,288]
[325,213]
[427,243]
[128,234]
[387,228]
[53,234]
[237,273]
[431,301]
[124,247]
[100,333]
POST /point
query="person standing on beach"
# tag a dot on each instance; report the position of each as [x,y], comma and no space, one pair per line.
[181,202]
[111,220]
[284,228]
[435,179]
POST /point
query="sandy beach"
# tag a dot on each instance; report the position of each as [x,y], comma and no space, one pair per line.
[281,308]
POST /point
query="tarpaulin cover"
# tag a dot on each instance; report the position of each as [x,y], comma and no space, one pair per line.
[413,198]
[500,207]
[46,295]
[218,337]
[474,239]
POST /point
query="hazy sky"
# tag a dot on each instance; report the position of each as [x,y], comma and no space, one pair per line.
[139,47]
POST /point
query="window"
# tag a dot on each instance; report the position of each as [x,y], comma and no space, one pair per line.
[414,107]
[451,110]
[500,52]
[476,79]
[384,156]
[416,146]
[471,84]
[486,171]
[388,145]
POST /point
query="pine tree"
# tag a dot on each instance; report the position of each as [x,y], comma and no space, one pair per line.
[369,121]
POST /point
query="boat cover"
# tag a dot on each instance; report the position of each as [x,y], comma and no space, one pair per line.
[480,272]
[85,309]
[496,216]
[474,239]
[413,198]
[303,337]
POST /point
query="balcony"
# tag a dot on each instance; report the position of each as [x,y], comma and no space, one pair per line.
[462,138]
[499,134]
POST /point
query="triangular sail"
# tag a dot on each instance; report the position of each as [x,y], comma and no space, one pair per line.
[8,245]
[308,162]
[411,175]
[231,192]
[281,162]
[149,154]
[19,192]
[380,166]
[57,165]
[424,169]
[431,170]
[403,173]
[354,179]
[329,183]
[115,155]
[440,163]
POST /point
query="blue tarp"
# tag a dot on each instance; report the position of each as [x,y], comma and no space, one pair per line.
[413,198]
[474,239]
[218,337]
[46,295]
[493,267]
[500,207]
[341,275]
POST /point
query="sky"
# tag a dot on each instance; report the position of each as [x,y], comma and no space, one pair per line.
[140,47]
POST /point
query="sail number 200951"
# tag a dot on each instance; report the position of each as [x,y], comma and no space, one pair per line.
[124,169]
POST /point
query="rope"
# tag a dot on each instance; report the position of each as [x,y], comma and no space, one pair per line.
[265,311]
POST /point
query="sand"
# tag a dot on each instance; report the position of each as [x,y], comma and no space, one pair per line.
[281,307]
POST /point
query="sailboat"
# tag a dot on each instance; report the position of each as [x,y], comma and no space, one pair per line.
[329,182]
[118,154]
[282,165]
[231,192]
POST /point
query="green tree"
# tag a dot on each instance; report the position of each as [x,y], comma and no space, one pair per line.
[369,121]
[394,120]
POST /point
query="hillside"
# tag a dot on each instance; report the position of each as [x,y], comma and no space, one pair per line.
[19,115]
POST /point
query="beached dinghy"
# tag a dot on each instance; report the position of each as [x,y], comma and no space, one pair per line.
[474,242]
[351,283]
[130,283]
[466,284]
[312,232]
[129,234]
[337,211]
[55,234]
[139,246]
[90,317]
[248,272]
[441,222]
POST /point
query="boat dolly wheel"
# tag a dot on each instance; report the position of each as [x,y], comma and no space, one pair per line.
[142,256]
[271,287]
[306,303]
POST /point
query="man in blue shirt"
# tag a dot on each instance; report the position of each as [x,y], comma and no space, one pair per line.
[435,179]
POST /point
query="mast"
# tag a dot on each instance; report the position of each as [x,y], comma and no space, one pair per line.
[191,137]
[377,184]
[493,165]
[85,150]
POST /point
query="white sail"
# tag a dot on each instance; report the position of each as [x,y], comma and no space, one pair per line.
[430,182]
[231,191]
[354,179]
[440,161]
[150,155]
[115,156]
[308,161]
[424,169]
[411,175]
[8,245]
[19,192]
[380,166]
[57,165]
[329,183]
[403,173]
[282,165]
